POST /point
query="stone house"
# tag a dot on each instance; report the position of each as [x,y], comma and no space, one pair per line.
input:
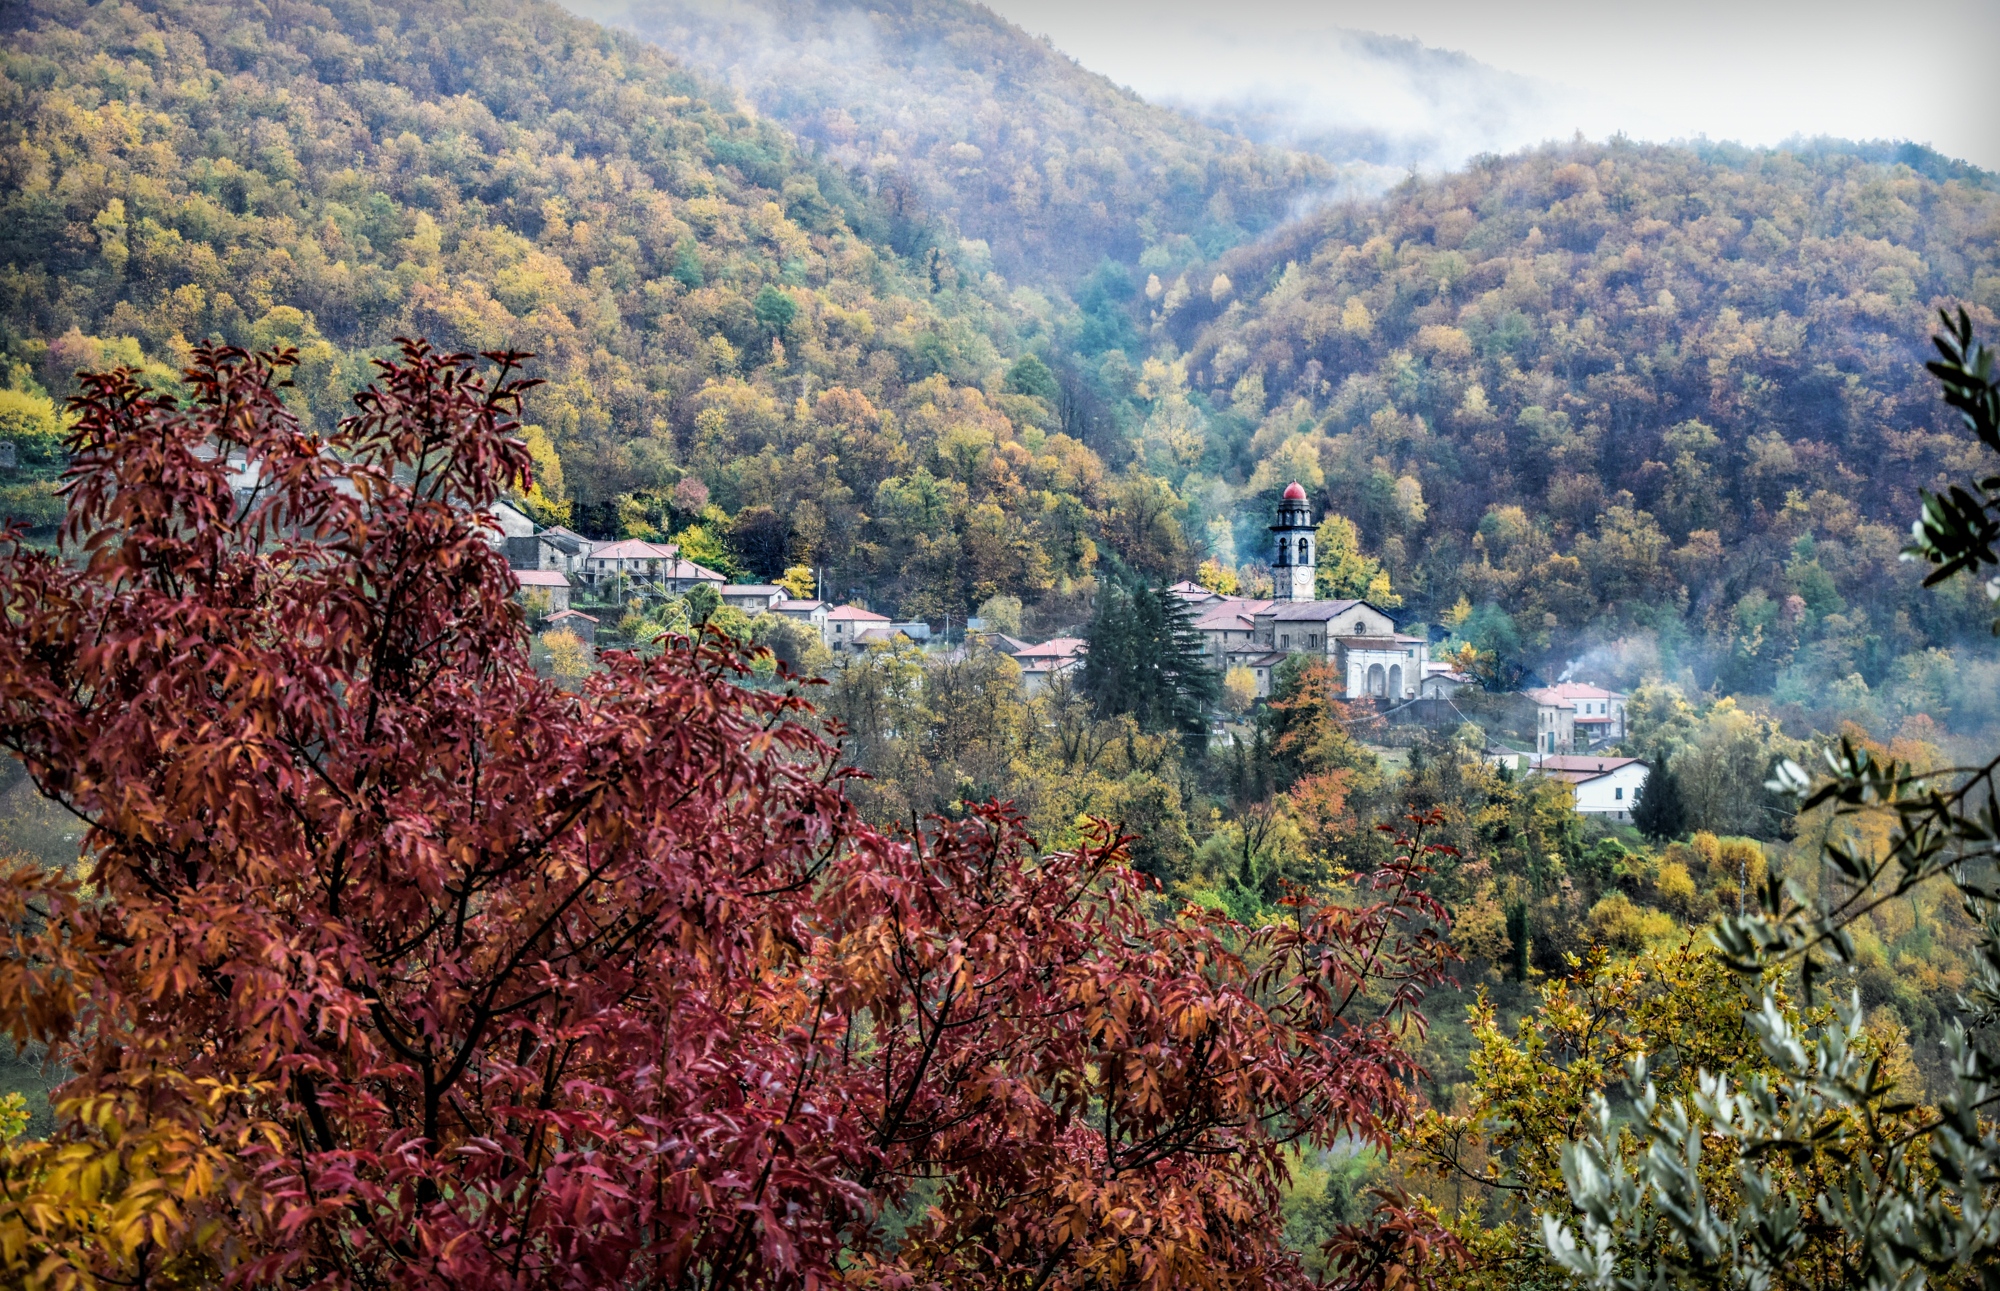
[1042,664]
[846,623]
[753,598]
[807,611]
[655,566]
[1554,720]
[554,583]
[584,625]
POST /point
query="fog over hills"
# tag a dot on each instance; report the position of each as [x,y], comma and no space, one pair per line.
[1378,106]
[893,86]
[1534,70]
[943,104]
[1375,106]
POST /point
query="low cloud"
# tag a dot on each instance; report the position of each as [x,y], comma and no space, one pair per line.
[1379,106]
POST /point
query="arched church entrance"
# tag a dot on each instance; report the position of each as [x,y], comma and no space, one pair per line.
[1378,681]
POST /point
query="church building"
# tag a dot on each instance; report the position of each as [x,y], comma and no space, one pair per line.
[1372,659]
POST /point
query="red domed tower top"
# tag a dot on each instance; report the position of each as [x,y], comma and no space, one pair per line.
[1292,561]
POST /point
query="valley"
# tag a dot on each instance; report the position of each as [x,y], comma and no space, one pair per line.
[1155,473]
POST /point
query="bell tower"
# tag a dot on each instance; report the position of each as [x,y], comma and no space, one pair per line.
[1293,567]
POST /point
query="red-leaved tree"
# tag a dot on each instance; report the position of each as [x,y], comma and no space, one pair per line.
[393,964]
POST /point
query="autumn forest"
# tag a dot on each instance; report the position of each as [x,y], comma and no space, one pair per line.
[374,919]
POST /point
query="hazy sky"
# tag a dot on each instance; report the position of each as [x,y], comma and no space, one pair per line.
[1751,70]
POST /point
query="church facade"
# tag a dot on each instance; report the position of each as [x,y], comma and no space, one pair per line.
[1373,660]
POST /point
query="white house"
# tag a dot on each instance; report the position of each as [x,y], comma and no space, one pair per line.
[1604,786]
[1600,713]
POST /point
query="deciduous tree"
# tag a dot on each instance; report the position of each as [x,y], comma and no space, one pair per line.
[1908,1195]
[401,965]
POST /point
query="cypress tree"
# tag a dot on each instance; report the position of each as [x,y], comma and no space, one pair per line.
[1188,687]
[1517,938]
[1659,812]
[1145,658]
[1107,662]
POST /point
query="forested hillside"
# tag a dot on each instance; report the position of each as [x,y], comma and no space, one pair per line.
[892,291]
[1661,401]
[953,110]
[702,298]
[1668,395]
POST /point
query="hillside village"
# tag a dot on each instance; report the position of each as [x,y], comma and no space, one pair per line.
[1568,730]
[1012,727]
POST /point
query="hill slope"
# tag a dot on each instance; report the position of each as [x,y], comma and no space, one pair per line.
[704,299]
[948,106]
[1656,395]
[1607,386]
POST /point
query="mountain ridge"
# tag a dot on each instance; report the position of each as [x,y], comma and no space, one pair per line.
[1051,165]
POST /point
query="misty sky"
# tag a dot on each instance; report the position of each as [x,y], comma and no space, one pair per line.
[1752,70]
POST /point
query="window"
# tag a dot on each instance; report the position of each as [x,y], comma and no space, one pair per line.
[1619,792]
[1285,641]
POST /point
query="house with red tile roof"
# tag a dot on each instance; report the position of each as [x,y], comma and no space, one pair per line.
[1042,664]
[654,565]
[1571,716]
[552,582]
[846,623]
[584,625]
[1600,713]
